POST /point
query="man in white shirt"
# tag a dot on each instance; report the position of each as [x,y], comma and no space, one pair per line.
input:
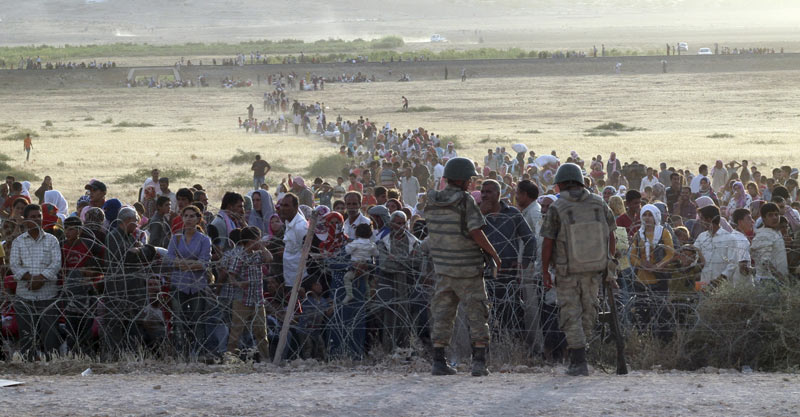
[296,229]
[743,224]
[768,248]
[409,186]
[352,205]
[527,194]
[717,247]
[438,172]
[35,261]
[695,182]
[649,181]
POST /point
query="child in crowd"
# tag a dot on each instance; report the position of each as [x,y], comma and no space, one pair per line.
[246,273]
[361,251]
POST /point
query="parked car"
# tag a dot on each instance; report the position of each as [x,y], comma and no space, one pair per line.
[704,51]
[683,46]
[438,38]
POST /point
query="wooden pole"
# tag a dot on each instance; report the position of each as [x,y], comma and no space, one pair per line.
[290,308]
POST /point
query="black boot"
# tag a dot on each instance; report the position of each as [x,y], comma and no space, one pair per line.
[577,363]
[479,361]
[440,366]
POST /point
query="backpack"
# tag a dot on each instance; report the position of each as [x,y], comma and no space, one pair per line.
[586,237]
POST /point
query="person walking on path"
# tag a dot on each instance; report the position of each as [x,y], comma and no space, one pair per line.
[28,145]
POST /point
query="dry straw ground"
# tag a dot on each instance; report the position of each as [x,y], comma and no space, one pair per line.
[755,113]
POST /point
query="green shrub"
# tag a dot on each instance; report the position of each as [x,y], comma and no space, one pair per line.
[48,123]
[18,173]
[617,127]
[108,121]
[20,134]
[328,166]
[720,136]
[243,157]
[419,109]
[133,124]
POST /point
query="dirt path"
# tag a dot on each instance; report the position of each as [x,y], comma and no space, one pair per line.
[366,392]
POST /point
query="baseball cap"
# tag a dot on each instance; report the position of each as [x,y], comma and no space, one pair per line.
[96,184]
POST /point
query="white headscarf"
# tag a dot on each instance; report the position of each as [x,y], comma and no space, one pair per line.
[26,186]
[57,199]
[649,208]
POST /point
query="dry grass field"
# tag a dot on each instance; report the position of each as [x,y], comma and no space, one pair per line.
[197,128]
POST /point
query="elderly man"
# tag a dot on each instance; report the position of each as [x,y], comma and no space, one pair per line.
[35,262]
[511,237]
[295,233]
[125,283]
[396,251]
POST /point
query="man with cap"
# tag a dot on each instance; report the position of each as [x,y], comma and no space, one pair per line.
[578,235]
[457,245]
[97,193]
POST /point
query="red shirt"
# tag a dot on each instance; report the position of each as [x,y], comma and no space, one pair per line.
[177,224]
[357,186]
[75,255]
[631,225]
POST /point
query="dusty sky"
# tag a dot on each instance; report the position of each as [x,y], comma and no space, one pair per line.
[27,22]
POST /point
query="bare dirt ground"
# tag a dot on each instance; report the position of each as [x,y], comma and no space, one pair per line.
[197,128]
[535,391]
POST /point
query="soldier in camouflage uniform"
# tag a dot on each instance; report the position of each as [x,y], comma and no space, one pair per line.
[457,245]
[578,232]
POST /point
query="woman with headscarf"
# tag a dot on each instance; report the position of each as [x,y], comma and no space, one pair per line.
[26,187]
[697,227]
[149,201]
[275,245]
[111,210]
[651,250]
[57,199]
[51,221]
[740,198]
[263,209]
[659,193]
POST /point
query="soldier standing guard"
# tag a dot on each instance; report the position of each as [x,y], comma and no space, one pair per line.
[578,232]
[457,245]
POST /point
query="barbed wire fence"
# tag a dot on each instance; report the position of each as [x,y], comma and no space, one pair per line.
[139,312]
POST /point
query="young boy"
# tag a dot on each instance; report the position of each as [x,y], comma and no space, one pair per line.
[246,273]
[361,251]
[80,262]
[325,194]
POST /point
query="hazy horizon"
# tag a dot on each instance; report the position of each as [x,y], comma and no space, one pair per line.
[58,22]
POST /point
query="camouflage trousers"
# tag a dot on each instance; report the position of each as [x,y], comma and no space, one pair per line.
[578,302]
[449,292]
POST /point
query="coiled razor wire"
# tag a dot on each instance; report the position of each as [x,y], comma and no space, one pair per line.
[139,312]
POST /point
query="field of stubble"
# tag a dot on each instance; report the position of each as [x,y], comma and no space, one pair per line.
[196,128]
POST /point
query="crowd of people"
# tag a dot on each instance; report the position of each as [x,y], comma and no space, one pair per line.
[168,274]
[37,63]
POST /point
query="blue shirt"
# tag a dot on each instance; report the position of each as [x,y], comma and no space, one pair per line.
[199,249]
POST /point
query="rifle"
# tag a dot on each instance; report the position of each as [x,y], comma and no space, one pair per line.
[622,366]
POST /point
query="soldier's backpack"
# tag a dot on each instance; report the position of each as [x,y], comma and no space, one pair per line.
[583,234]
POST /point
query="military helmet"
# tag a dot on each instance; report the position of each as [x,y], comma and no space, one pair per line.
[459,169]
[569,172]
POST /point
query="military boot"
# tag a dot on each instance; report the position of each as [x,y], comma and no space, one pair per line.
[440,366]
[479,361]
[577,363]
